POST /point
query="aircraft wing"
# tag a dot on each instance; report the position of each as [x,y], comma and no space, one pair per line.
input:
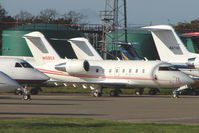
[103,84]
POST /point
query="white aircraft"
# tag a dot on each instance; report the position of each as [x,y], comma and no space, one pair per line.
[22,72]
[171,49]
[103,73]
[7,84]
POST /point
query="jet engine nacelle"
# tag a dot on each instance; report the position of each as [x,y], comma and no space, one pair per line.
[74,67]
[194,62]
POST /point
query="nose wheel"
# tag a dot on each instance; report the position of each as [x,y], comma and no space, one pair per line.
[26,94]
[27,97]
[176,94]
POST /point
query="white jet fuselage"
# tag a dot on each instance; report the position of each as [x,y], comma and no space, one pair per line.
[119,73]
[21,71]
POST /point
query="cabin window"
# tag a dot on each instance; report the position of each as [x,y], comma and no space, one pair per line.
[18,65]
[26,65]
[129,70]
[168,69]
[136,71]
[97,70]
[143,71]
[116,70]
[109,70]
[123,70]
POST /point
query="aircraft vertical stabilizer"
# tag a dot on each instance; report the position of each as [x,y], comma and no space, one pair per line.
[41,49]
[83,49]
[168,44]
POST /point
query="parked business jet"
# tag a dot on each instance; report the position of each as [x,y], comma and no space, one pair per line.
[103,73]
[22,72]
[171,49]
[7,84]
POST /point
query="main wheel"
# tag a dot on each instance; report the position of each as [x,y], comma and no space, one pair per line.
[27,97]
[114,93]
[175,94]
[139,91]
[153,91]
[95,93]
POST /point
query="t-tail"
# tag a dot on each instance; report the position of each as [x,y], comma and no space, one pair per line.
[169,45]
[41,49]
[83,49]
[127,51]
[126,55]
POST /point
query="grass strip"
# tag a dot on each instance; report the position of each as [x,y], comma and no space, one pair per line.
[86,125]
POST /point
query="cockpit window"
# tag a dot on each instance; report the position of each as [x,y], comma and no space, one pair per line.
[26,65]
[18,65]
[171,68]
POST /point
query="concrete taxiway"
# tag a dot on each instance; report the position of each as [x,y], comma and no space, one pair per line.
[125,108]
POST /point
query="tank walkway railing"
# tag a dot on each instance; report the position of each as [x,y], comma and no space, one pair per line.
[88,28]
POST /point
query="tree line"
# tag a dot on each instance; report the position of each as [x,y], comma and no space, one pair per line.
[51,16]
[47,16]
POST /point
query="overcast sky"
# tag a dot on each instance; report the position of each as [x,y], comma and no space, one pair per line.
[138,11]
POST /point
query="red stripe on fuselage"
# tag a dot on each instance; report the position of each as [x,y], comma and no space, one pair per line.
[91,76]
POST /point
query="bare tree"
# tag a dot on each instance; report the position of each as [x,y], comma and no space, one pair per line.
[73,16]
[3,13]
[24,16]
[48,15]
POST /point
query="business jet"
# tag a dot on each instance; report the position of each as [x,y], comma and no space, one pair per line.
[171,49]
[22,72]
[99,74]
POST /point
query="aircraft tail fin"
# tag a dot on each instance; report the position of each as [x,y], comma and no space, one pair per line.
[41,49]
[83,49]
[168,44]
[126,55]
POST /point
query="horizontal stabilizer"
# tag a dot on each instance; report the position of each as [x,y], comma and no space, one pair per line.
[83,49]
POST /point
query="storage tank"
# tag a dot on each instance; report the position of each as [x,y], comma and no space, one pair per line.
[144,44]
[14,45]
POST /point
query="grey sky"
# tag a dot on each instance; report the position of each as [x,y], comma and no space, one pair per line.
[139,11]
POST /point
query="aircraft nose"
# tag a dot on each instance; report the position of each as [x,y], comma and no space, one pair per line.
[40,77]
[43,76]
[7,83]
[187,80]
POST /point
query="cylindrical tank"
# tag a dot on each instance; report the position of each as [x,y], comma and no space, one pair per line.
[14,45]
[144,44]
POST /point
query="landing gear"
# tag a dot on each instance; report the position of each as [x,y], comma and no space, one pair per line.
[176,91]
[139,91]
[96,92]
[19,91]
[115,92]
[176,94]
[153,91]
[26,95]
